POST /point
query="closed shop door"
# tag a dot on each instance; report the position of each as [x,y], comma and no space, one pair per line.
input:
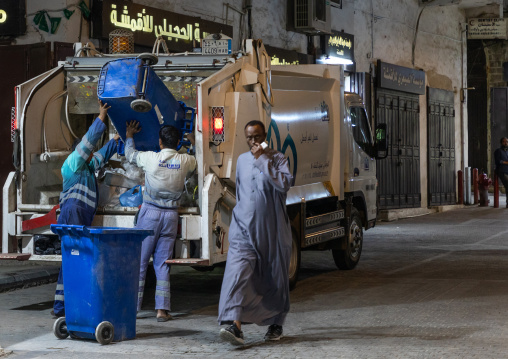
[399,173]
[441,141]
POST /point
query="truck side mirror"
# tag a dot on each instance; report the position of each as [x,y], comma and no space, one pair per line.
[381,141]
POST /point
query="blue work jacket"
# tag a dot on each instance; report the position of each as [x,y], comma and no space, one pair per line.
[80,192]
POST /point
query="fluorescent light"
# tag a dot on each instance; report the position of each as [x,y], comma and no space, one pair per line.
[335,61]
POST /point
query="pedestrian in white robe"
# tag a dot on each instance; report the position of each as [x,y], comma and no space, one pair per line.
[255,288]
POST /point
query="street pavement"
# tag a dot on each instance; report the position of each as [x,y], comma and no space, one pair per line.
[433,286]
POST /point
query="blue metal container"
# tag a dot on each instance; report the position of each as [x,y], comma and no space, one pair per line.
[101,279]
[135,92]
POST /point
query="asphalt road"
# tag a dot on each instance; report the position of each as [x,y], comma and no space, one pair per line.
[434,286]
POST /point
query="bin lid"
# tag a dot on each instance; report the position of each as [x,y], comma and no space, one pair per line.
[66,229]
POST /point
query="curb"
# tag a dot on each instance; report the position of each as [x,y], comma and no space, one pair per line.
[28,277]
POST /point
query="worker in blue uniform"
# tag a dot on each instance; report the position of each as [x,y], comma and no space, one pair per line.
[165,174]
[80,195]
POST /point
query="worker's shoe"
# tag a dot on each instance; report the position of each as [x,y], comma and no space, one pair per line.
[165,317]
[232,335]
[56,315]
[274,333]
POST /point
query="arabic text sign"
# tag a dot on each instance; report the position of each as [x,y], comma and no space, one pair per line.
[486,29]
[216,47]
[341,45]
[400,78]
[181,32]
[281,56]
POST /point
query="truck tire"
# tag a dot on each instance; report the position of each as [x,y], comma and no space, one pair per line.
[348,258]
[294,262]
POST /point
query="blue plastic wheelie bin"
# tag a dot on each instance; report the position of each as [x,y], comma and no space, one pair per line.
[101,278]
[135,92]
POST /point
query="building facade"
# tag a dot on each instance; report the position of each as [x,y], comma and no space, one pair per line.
[408,59]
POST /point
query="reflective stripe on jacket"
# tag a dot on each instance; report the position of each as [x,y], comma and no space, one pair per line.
[79,182]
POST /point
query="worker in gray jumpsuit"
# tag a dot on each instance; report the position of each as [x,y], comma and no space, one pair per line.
[165,173]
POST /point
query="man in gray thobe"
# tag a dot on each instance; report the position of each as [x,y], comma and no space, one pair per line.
[255,288]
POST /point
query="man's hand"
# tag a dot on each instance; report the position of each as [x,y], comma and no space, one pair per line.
[132,128]
[103,111]
[191,138]
[116,137]
[257,150]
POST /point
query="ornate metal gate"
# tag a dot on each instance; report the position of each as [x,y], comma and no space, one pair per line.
[399,173]
[441,143]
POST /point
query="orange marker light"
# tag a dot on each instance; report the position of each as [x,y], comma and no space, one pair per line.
[218,124]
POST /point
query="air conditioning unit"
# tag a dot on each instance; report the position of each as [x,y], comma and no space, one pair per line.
[313,16]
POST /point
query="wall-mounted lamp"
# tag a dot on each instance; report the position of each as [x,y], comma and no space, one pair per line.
[463,93]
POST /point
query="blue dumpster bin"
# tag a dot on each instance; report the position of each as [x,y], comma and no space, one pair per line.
[135,92]
[101,266]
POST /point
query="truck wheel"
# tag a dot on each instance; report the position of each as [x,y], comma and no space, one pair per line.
[294,263]
[60,328]
[104,333]
[150,59]
[140,105]
[348,258]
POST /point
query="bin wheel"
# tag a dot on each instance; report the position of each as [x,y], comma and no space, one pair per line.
[104,333]
[150,59]
[60,328]
[141,105]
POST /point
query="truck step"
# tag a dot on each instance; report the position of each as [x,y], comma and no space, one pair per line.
[322,219]
[323,236]
[189,261]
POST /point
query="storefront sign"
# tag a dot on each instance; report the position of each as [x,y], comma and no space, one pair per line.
[341,45]
[181,32]
[486,29]
[400,78]
[12,18]
[281,56]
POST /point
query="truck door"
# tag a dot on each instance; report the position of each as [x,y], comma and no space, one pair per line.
[363,160]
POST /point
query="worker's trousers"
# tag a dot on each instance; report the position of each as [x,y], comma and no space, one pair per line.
[164,223]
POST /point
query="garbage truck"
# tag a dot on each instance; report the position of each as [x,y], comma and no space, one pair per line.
[322,130]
